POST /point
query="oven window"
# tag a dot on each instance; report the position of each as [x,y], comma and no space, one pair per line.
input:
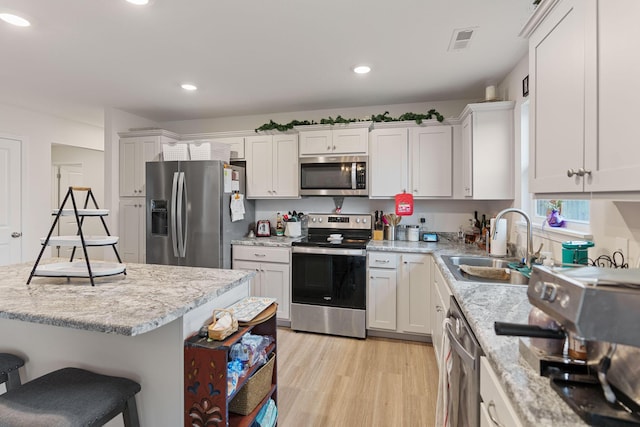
[330,280]
[329,176]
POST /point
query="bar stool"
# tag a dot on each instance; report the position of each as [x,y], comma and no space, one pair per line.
[70,397]
[9,370]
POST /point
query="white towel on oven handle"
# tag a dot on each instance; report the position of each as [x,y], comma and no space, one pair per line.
[446,364]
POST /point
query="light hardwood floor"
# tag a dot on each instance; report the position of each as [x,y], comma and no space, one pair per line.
[334,381]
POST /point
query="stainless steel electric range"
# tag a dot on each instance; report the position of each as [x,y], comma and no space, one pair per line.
[329,275]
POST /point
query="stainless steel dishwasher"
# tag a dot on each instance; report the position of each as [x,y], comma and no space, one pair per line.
[463,403]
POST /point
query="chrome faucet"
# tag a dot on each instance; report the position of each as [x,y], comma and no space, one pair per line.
[530,255]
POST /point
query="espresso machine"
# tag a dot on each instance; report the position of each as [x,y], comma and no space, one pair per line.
[599,307]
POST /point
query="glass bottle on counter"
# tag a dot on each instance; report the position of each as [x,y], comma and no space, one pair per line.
[279,225]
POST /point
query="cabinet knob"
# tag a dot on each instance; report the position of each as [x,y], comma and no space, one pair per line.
[579,172]
[334,148]
[328,148]
[16,234]
[415,190]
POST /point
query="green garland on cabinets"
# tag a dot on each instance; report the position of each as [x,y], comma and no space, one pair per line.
[431,114]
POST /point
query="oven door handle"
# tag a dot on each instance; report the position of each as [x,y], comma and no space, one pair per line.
[458,348]
[328,251]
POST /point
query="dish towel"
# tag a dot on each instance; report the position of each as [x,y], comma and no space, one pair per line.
[446,364]
[237,207]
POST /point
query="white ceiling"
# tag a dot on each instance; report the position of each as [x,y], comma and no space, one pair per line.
[251,56]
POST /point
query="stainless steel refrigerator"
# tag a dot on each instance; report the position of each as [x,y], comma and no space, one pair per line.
[189,214]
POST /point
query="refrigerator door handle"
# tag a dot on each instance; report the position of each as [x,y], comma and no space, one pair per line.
[174,212]
[184,223]
[179,214]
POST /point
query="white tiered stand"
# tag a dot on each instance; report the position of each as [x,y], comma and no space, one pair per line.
[84,268]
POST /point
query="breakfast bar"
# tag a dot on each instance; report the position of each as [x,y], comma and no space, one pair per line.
[131,325]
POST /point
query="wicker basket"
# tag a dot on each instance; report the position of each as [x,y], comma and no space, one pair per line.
[255,389]
[215,333]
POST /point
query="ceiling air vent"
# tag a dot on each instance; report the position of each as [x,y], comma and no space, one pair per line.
[461,39]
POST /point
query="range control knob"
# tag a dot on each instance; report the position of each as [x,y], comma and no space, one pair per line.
[313,219]
[319,219]
[357,220]
[364,220]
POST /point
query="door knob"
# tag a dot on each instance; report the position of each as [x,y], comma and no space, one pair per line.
[16,234]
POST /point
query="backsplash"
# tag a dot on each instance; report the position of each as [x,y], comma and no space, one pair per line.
[441,215]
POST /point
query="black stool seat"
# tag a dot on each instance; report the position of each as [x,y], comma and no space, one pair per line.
[9,365]
[70,397]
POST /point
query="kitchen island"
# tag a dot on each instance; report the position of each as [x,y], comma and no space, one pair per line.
[131,325]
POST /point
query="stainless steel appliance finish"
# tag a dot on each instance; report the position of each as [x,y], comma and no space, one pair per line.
[601,306]
[329,276]
[597,304]
[189,215]
[464,378]
[333,176]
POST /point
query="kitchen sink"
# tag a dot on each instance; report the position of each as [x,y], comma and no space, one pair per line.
[454,261]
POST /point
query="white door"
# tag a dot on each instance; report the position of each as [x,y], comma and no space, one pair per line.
[65,176]
[10,201]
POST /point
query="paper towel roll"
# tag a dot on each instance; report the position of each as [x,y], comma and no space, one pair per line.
[499,242]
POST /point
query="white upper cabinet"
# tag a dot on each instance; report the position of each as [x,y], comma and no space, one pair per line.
[135,151]
[583,81]
[418,160]
[272,166]
[388,161]
[431,151]
[326,140]
[487,151]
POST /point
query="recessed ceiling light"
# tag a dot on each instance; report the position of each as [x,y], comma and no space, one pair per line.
[362,69]
[188,86]
[16,20]
[139,2]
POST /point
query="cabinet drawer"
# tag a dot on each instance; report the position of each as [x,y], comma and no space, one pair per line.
[260,253]
[495,400]
[382,260]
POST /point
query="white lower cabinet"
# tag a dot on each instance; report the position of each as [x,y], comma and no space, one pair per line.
[440,298]
[273,273]
[398,292]
[381,299]
[132,237]
[495,408]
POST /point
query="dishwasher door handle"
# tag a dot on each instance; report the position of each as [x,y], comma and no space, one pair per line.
[457,347]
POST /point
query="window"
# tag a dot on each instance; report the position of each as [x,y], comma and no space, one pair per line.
[570,210]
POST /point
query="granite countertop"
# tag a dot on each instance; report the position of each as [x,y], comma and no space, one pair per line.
[148,297]
[531,394]
[276,241]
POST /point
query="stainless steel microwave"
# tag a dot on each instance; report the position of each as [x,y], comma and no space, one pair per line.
[333,176]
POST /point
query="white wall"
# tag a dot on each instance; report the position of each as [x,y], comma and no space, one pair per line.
[441,215]
[613,222]
[92,162]
[448,109]
[38,131]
